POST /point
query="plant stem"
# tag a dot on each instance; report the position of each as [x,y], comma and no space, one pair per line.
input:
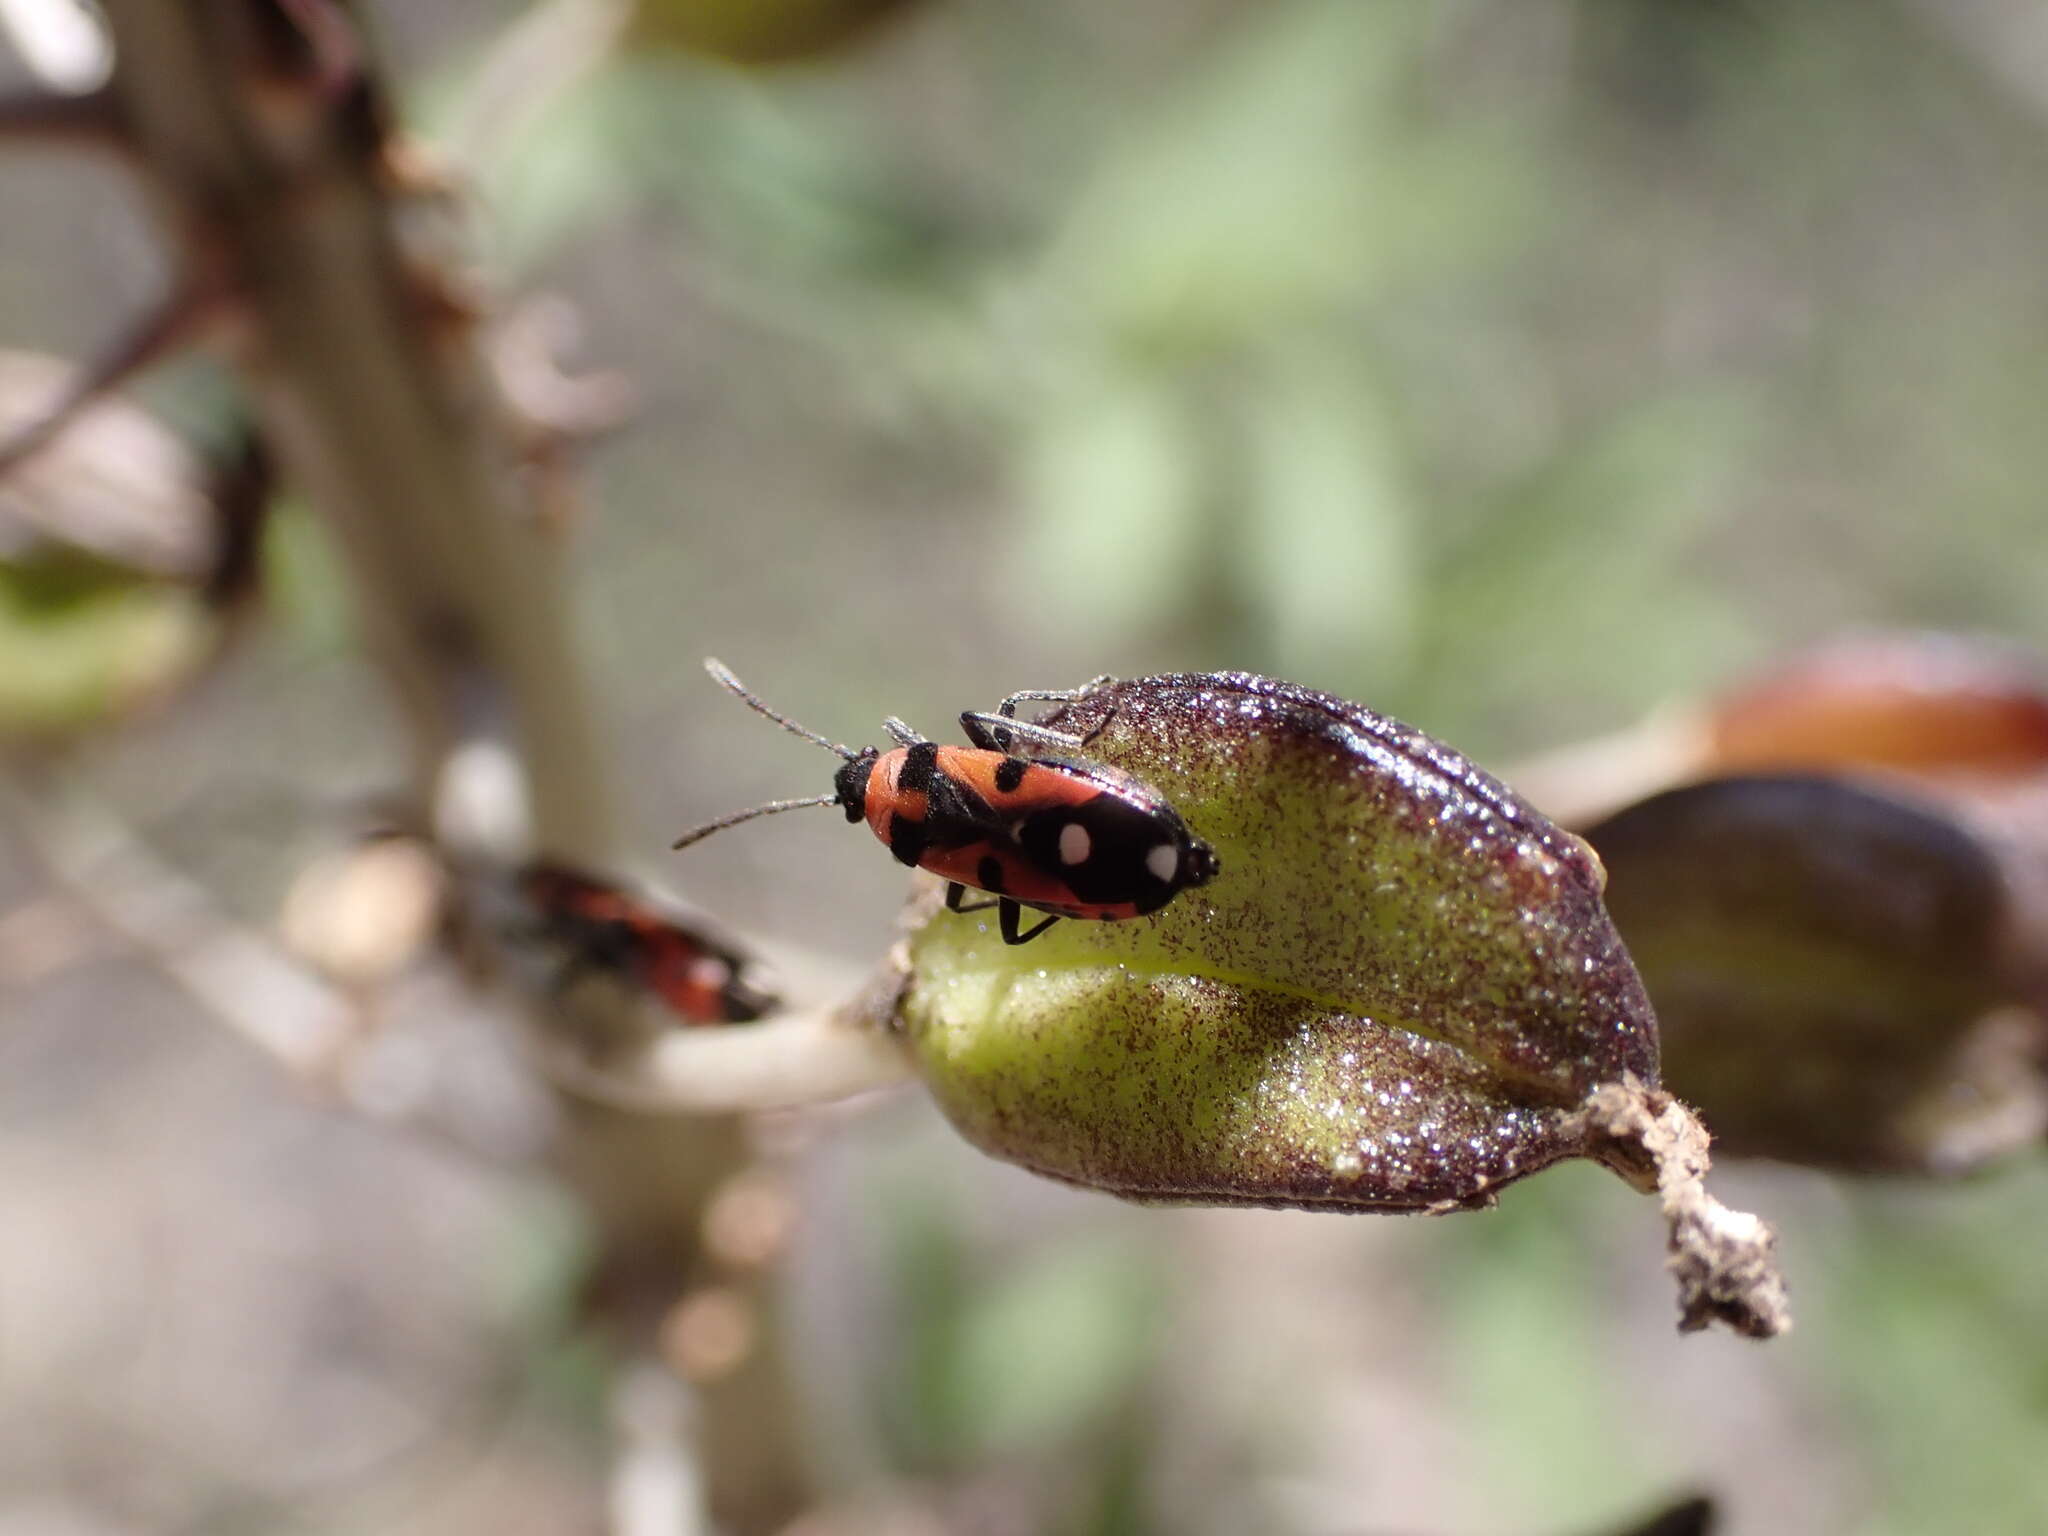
[270,164]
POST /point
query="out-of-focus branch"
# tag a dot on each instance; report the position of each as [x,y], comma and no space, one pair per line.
[374,392]
[363,361]
[784,1063]
[175,323]
[88,119]
[240,977]
[235,975]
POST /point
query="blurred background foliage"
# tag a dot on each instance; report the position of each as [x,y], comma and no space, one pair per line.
[1514,366]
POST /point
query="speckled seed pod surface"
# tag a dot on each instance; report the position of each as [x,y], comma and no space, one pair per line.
[1392,997]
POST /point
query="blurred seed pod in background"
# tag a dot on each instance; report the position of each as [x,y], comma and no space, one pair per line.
[123,556]
[1841,909]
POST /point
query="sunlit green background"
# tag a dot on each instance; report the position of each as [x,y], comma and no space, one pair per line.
[1514,367]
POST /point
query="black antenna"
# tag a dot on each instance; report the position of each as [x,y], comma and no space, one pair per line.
[772,808]
[720,671]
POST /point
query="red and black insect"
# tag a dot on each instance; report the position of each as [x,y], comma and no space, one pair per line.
[1067,837]
[605,929]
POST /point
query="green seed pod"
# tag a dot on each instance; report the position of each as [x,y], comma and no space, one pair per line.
[1396,995]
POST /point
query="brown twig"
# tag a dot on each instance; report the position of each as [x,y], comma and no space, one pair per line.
[238,976]
[169,328]
[793,1060]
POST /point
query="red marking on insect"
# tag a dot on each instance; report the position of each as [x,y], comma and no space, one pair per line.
[1066,837]
[605,928]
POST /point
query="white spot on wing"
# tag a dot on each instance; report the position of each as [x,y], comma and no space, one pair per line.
[1164,862]
[1074,843]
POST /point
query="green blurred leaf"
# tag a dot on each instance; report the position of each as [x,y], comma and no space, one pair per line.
[1547,1428]
[1247,196]
[1932,1332]
[1053,1346]
[928,1277]
[302,575]
[1593,544]
[1009,1362]
[72,660]
[532,1285]
[1113,533]
[1325,548]
[759,31]
[559,173]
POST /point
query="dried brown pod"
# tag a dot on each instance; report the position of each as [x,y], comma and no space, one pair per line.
[1844,918]
[1937,707]
[1921,704]
[1842,970]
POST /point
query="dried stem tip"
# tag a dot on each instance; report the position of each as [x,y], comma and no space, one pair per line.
[1725,1261]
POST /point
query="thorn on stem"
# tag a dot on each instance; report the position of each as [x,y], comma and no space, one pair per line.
[555,410]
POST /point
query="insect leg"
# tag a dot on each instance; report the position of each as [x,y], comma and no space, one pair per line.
[1100,725]
[1006,919]
[902,734]
[956,901]
[995,734]
[1001,732]
[977,734]
[1008,708]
